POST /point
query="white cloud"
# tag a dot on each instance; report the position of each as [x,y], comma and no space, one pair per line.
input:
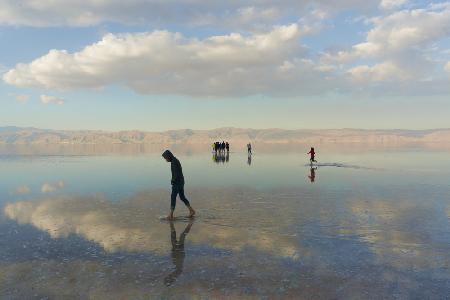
[399,46]
[392,4]
[403,31]
[162,62]
[45,99]
[22,98]
[52,187]
[252,60]
[447,67]
[23,189]
[157,12]
[386,71]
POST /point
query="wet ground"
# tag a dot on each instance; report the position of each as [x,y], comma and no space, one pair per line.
[366,225]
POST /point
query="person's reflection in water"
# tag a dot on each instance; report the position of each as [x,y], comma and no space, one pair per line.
[178,253]
[249,159]
[312,175]
[221,157]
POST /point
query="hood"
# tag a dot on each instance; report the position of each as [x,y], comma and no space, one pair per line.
[168,155]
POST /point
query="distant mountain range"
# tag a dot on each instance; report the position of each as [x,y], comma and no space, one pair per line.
[239,136]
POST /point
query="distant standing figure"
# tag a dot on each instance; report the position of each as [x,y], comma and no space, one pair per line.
[177,184]
[249,148]
[227,146]
[216,146]
[313,155]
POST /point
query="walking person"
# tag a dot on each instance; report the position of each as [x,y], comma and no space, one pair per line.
[177,182]
[249,148]
[313,155]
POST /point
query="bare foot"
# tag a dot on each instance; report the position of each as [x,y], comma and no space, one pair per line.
[191,213]
[170,217]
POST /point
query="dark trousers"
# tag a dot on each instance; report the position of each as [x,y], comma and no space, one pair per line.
[178,189]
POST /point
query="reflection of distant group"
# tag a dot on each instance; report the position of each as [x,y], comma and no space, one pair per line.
[221,157]
[221,147]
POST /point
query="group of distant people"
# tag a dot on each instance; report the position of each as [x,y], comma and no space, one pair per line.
[221,147]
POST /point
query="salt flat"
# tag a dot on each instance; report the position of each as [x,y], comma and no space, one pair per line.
[88,226]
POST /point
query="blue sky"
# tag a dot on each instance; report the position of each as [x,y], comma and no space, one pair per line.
[169,65]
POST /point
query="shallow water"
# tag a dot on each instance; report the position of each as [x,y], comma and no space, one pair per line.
[364,225]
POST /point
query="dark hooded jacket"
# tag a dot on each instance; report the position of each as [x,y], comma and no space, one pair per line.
[175,166]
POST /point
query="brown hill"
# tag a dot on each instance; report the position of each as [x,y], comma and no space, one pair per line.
[237,136]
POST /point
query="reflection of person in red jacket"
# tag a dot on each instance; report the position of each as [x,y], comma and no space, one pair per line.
[312,175]
[313,154]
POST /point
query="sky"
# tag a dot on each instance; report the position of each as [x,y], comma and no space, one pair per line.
[158,65]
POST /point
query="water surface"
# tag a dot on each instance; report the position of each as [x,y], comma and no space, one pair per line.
[365,224]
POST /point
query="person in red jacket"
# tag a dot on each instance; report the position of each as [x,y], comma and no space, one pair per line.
[313,154]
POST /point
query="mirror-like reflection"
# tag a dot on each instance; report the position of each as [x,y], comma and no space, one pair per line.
[238,245]
[221,157]
[312,174]
[359,232]
[134,224]
[178,254]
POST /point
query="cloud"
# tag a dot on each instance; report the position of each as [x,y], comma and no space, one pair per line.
[387,71]
[192,13]
[399,47]
[22,98]
[256,58]
[23,189]
[52,187]
[45,99]
[447,67]
[162,62]
[392,4]
[401,32]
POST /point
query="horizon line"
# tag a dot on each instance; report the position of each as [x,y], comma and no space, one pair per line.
[224,128]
